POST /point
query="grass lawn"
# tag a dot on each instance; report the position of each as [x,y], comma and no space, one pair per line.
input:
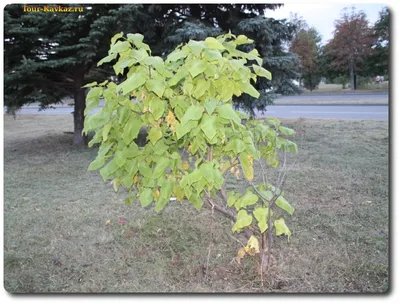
[332,100]
[56,238]
[327,88]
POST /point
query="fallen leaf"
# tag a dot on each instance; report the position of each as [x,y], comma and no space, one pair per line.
[252,246]
[240,255]
[108,222]
[122,220]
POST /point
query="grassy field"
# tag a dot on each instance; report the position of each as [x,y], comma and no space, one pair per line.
[332,100]
[327,88]
[56,238]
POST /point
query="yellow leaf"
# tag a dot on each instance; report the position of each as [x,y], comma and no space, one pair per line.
[252,246]
[185,165]
[240,255]
[135,179]
[156,194]
[171,120]
[189,148]
[145,109]
[250,158]
[237,173]
[108,222]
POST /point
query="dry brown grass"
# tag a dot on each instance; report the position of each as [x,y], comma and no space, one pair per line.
[56,238]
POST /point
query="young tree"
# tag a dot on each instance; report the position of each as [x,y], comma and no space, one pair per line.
[352,43]
[195,138]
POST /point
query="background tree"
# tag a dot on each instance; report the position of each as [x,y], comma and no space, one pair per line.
[49,56]
[352,43]
[306,45]
[378,62]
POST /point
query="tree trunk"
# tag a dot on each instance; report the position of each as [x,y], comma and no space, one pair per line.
[351,68]
[79,98]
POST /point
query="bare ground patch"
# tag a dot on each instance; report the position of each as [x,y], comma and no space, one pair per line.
[56,237]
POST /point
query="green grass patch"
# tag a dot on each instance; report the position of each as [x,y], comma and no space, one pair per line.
[56,236]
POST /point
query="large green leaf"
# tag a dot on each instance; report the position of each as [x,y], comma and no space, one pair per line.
[286,131]
[213,56]
[120,47]
[242,39]
[261,215]
[139,55]
[145,170]
[249,89]
[226,111]
[156,85]
[160,167]
[192,113]
[210,106]
[180,74]
[196,201]
[108,169]
[146,197]
[107,59]
[213,43]
[248,199]
[201,87]
[165,194]
[209,125]
[131,129]
[232,198]
[176,55]
[196,47]
[97,163]
[242,220]
[132,83]
[236,145]
[116,37]
[196,67]
[157,108]
[181,130]
[155,134]
[260,71]
[281,228]
[284,205]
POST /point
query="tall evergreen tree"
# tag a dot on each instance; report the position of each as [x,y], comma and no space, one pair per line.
[51,55]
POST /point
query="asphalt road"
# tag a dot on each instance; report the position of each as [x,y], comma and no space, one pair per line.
[368,112]
[327,111]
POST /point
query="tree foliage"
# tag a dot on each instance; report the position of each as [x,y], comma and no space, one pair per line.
[306,45]
[185,103]
[378,62]
[351,44]
[49,56]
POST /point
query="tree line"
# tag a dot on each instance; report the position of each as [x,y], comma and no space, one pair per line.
[357,49]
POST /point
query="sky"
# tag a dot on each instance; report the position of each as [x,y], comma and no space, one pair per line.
[322,16]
